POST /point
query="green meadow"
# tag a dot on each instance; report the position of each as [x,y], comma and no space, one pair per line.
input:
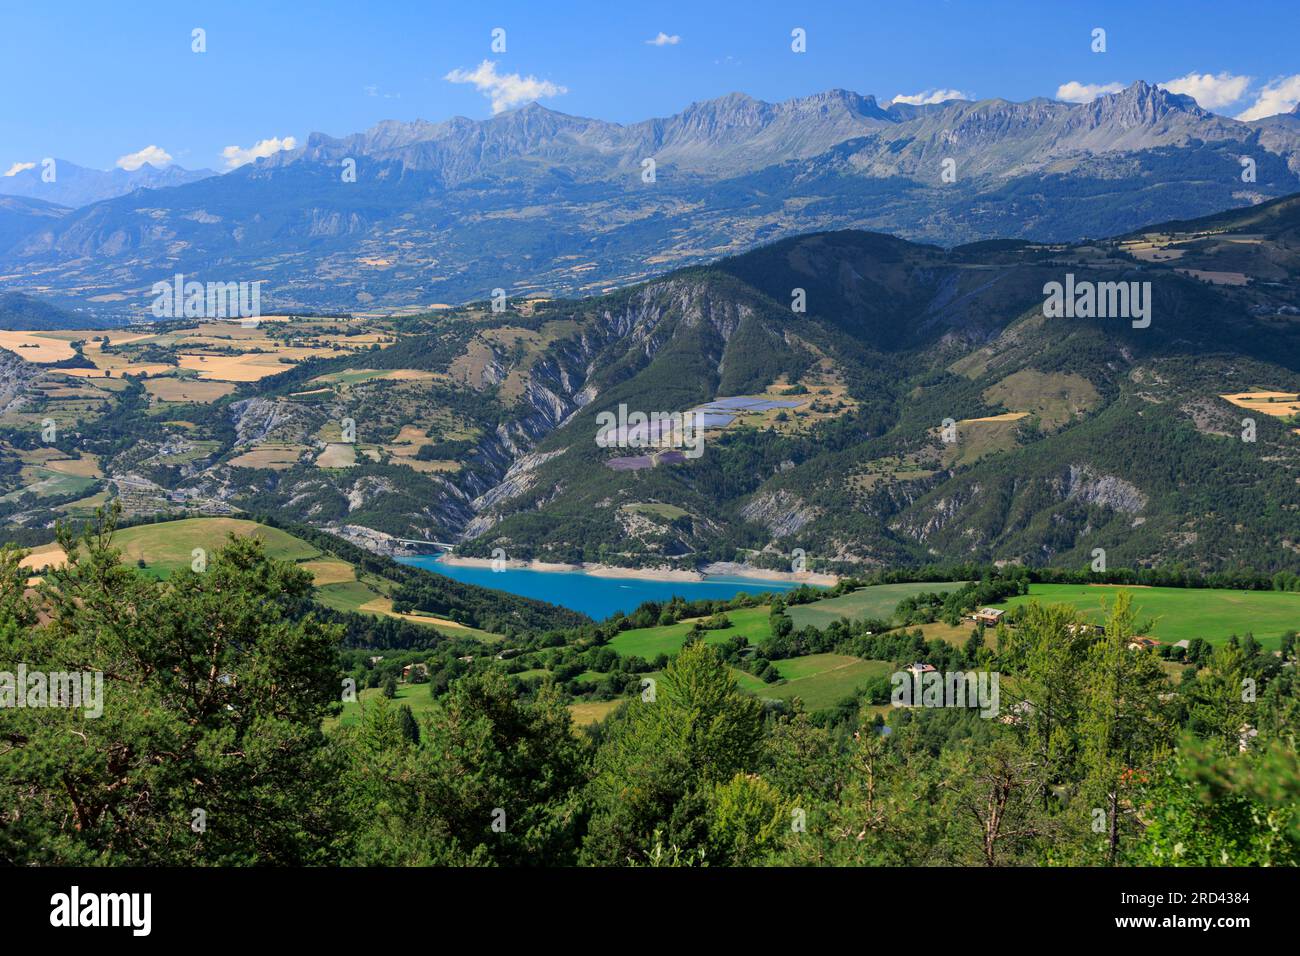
[49,483]
[650,642]
[415,696]
[877,601]
[168,545]
[819,680]
[1183,613]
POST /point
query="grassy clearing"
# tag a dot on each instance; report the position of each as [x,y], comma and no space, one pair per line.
[47,483]
[329,571]
[187,390]
[671,512]
[819,680]
[275,456]
[337,455]
[823,680]
[415,696]
[87,466]
[592,711]
[1183,613]
[169,545]
[877,601]
[650,642]
[979,437]
[1055,397]
[956,636]
[166,546]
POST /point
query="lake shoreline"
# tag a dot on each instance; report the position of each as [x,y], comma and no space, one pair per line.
[716,572]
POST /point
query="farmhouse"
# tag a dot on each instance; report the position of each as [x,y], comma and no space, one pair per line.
[988,616]
[1142,643]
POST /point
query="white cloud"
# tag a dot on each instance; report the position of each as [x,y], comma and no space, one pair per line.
[236,156]
[505,89]
[1279,96]
[930,96]
[663,39]
[1076,92]
[1210,91]
[153,155]
[17,168]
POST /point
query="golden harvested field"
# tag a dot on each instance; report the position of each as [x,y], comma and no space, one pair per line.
[1004,417]
[187,390]
[275,456]
[337,455]
[428,467]
[408,440]
[329,572]
[248,367]
[85,467]
[147,369]
[1277,404]
[47,555]
[36,347]
[592,711]
[383,605]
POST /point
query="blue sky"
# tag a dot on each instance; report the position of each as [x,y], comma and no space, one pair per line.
[93,83]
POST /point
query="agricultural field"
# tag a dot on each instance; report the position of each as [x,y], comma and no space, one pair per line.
[160,549]
[415,696]
[650,642]
[337,455]
[187,389]
[1183,613]
[221,350]
[592,711]
[878,601]
[820,680]
[168,545]
[1285,405]
[47,482]
[274,456]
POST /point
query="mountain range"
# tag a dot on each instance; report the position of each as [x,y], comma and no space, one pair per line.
[534,201]
[75,186]
[869,401]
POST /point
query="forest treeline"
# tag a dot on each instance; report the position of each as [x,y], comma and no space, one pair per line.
[211,749]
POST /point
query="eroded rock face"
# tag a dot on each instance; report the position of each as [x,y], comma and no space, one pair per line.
[781,512]
[1109,491]
[365,490]
[15,374]
[257,418]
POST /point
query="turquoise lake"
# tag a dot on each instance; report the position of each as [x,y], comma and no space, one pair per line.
[595,596]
